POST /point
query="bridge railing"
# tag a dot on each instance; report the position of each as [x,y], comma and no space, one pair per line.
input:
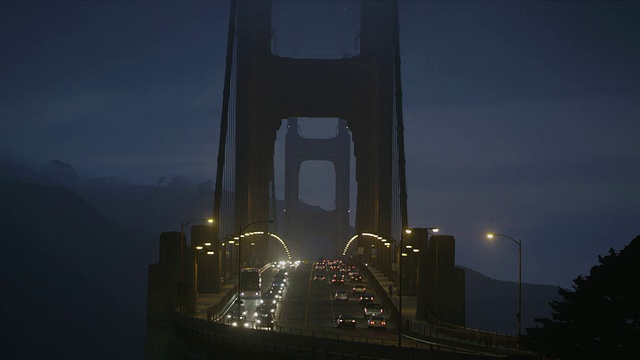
[234,342]
[453,335]
[214,312]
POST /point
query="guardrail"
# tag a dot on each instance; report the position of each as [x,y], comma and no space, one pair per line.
[235,342]
[214,311]
[218,337]
[452,335]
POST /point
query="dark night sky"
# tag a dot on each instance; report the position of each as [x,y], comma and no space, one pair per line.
[521,117]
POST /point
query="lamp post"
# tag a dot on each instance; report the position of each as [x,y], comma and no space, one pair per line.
[240,236]
[435,230]
[183,288]
[401,254]
[490,236]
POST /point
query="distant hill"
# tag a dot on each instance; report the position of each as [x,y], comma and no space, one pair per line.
[493,304]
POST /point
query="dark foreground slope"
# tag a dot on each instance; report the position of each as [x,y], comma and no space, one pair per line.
[74,281]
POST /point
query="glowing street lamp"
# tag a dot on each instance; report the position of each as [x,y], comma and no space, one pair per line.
[490,236]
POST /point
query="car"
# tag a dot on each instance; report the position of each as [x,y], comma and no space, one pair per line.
[269,299]
[233,312]
[358,289]
[365,298]
[270,308]
[337,279]
[346,320]
[283,272]
[341,295]
[278,282]
[233,319]
[277,290]
[356,277]
[264,320]
[372,309]
[377,322]
[280,278]
[319,277]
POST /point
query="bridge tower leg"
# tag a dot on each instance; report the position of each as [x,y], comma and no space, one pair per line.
[337,150]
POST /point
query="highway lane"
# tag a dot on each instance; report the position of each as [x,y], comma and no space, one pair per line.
[310,305]
[309,309]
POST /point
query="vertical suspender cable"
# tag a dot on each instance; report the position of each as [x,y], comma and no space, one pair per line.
[217,196]
[400,123]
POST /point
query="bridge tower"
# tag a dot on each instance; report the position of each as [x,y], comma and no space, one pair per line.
[337,150]
[359,89]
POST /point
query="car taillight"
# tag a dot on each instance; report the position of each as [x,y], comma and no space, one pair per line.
[383,323]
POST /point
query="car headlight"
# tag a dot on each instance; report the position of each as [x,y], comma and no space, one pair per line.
[257,321]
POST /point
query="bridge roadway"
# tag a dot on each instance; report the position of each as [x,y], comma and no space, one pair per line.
[310,305]
[308,309]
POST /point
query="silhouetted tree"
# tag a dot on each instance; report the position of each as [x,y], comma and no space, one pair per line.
[600,318]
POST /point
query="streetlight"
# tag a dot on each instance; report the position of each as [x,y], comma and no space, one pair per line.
[490,236]
[435,230]
[183,287]
[401,254]
[240,236]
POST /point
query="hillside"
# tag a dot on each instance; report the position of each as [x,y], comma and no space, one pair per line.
[493,304]
[76,279]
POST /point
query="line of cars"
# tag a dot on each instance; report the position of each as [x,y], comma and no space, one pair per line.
[373,312]
[335,272]
[264,314]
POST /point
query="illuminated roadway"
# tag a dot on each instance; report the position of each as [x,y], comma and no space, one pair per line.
[309,308]
[310,305]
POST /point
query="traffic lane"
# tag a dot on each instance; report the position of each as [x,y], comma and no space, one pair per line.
[353,306]
[267,283]
[294,305]
[310,305]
